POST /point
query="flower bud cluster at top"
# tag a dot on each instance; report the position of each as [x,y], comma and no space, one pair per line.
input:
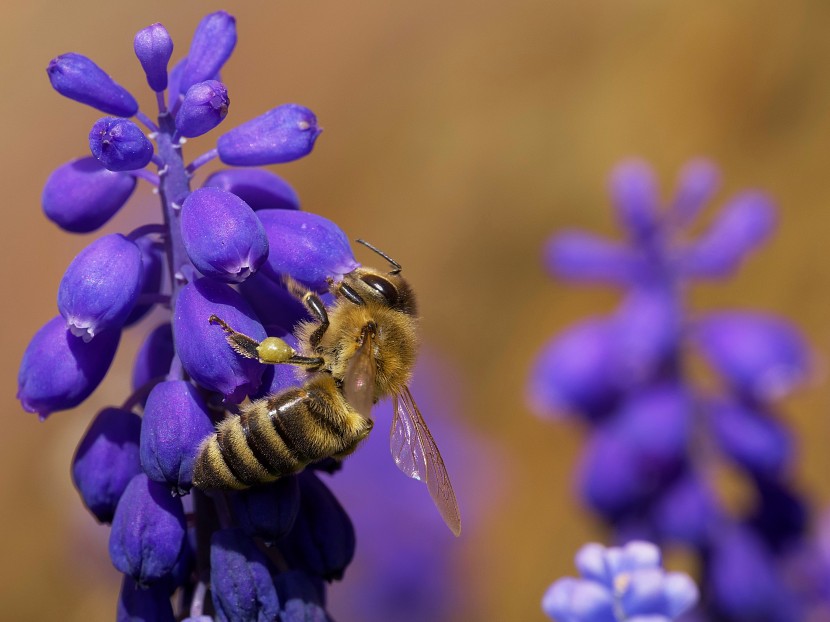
[223,249]
[657,436]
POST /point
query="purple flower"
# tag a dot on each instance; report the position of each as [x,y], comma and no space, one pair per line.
[101,286]
[142,603]
[205,105]
[212,46]
[76,77]
[268,512]
[258,187]
[283,134]
[119,144]
[619,584]
[82,195]
[154,357]
[154,47]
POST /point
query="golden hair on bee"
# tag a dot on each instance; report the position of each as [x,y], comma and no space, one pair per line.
[360,349]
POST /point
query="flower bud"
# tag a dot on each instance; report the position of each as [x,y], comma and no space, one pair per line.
[148,531]
[579,256]
[743,224]
[761,356]
[175,422]
[152,265]
[305,246]
[154,47]
[240,579]
[211,46]
[204,107]
[119,144]
[258,187]
[59,370]
[322,541]
[222,235]
[268,511]
[699,180]
[82,195]
[154,357]
[635,197]
[273,304]
[202,347]
[143,603]
[573,599]
[688,511]
[77,77]
[106,460]
[100,286]
[282,134]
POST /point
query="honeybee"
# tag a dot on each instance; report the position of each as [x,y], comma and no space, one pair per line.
[358,350]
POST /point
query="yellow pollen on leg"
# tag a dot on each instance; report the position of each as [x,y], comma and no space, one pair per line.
[274,350]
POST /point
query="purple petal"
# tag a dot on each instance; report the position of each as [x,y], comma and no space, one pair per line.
[305,246]
[154,357]
[680,592]
[579,256]
[137,603]
[656,423]
[698,182]
[100,286]
[148,531]
[634,193]
[106,460]
[175,423]
[119,144]
[77,77]
[201,346]
[268,511]
[152,265]
[573,600]
[592,564]
[259,188]
[82,195]
[743,224]
[759,355]
[154,47]
[222,235]
[205,106]
[282,134]
[272,302]
[59,370]
[211,47]
[633,556]
[688,511]
[643,593]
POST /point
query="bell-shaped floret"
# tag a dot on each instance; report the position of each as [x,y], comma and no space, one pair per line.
[100,286]
[688,511]
[306,247]
[759,355]
[269,511]
[175,422]
[258,187]
[106,460]
[60,370]
[578,600]
[282,134]
[222,235]
[153,359]
[144,603]
[152,266]
[240,578]
[322,541]
[211,46]
[698,182]
[119,144]
[154,47]
[77,77]
[580,256]
[634,193]
[576,372]
[743,224]
[204,352]
[82,195]
[273,304]
[148,531]
[204,107]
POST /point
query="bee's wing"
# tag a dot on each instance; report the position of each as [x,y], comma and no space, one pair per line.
[359,379]
[417,455]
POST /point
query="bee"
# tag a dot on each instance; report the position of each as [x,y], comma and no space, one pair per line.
[358,350]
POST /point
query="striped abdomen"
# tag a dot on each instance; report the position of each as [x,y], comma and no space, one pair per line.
[280,435]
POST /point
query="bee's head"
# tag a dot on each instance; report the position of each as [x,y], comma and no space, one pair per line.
[389,288]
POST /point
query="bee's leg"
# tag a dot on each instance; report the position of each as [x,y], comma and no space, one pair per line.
[314,305]
[271,350]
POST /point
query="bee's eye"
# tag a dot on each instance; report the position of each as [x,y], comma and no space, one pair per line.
[381,285]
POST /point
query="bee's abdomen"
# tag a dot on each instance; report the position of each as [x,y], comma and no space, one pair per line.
[272,438]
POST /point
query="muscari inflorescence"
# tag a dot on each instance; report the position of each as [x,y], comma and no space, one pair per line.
[260,554]
[657,433]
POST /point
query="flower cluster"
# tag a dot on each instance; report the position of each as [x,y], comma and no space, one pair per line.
[620,584]
[223,249]
[657,434]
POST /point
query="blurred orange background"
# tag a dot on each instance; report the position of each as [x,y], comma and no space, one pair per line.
[458,137]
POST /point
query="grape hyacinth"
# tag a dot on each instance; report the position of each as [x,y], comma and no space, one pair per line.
[620,584]
[261,554]
[657,434]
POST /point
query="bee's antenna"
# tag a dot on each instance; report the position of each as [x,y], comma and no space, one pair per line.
[394,263]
